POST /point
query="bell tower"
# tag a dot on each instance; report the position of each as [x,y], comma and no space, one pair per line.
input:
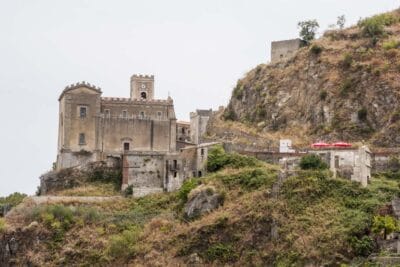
[142,87]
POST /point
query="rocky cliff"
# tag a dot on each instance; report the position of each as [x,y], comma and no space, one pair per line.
[344,86]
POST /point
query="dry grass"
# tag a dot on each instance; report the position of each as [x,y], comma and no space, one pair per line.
[92,189]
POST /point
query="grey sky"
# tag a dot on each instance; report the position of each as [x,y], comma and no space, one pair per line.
[196,49]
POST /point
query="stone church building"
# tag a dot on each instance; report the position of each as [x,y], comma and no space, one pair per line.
[140,132]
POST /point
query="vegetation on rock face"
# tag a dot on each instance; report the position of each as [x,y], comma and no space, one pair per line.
[320,220]
[313,162]
[354,66]
[13,200]
[218,159]
[384,225]
[2,225]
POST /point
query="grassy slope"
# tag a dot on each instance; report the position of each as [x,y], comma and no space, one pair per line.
[318,220]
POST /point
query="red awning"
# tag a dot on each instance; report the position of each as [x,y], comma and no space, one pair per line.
[320,144]
[342,144]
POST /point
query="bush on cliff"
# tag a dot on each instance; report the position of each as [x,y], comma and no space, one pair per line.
[312,162]
[218,159]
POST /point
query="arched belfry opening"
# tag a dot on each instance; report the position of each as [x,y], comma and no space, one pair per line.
[143,95]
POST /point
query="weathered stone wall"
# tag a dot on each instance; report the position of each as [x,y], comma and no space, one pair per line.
[112,125]
[281,50]
[72,124]
[149,172]
[198,124]
[183,131]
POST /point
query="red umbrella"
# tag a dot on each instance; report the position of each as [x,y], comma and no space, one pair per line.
[320,144]
[342,144]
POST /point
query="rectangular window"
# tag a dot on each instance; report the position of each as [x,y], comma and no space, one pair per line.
[142,114]
[107,113]
[124,114]
[126,146]
[82,112]
[82,140]
[159,115]
[202,152]
[336,161]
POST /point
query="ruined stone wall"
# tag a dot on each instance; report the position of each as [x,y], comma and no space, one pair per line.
[183,131]
[198,124]
[150,172]
[281,50]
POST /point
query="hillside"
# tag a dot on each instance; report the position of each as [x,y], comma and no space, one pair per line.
[345,85]
[313,219]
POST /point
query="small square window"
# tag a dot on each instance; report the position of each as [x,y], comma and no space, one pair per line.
[82,139]
[82,112]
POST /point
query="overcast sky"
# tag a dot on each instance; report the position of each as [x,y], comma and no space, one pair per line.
[196,49]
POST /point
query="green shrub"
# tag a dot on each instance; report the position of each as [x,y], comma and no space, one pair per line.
[186,187]
[2,225]
[316,49]
[391,44]
[54,216]
[229,114]
[250,179]
[124,245]
[346,61]
[375,26]
[128,191]
[105,175]
[362,247]
[218,159]
[238,91]
[384,225]
[312,162]
[13,200]
[88,214]
[346,86]
[221,252]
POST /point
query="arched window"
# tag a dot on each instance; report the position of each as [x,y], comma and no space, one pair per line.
[143,95]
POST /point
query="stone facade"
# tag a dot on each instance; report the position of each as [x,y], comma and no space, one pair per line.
[151,172]
[283,50]
[92,127]
[183,131]
[156,152]
[354,164]
[198,124]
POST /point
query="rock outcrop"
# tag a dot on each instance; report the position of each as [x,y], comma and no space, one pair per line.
[201,200]
[341,87]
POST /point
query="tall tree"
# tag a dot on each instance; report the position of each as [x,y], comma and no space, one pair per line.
[308,29]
